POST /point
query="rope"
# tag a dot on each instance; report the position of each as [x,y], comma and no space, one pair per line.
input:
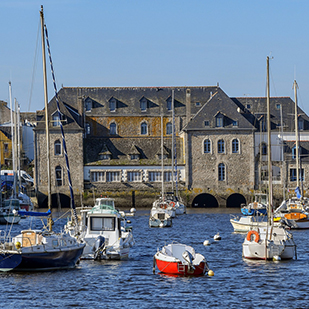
[61,127]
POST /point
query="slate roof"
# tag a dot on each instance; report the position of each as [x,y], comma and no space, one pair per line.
[128,99]
[148,149]
[219,104]
[258,107]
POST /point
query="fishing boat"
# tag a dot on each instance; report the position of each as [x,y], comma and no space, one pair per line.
[180,259]
[105,231]
[33,250]
[160,218]
[270,242]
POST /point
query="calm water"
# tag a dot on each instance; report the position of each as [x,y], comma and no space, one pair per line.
[131,284]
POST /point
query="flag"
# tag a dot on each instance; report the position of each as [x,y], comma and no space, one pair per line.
[297,191]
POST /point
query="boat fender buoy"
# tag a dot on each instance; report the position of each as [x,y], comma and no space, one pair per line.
[206,243]
[210,273]
[252,232]
[18,245]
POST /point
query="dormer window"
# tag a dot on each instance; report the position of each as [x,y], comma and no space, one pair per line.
[235,123]
[197,104]
[278,106]
[56,120]
[248,106]
[112,105]
[143,105]
[219,121]
[206,123]
[134,156]
[169,104]
[300,124]
[88,105]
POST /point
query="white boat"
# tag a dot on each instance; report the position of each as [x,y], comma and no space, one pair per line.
[175,203]
[180,259]
[34,250]
[247,223]
[258,207]
[163,206]
[270,242]
[160,218]
[103,228]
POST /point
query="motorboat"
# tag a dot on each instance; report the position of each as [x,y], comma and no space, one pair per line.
[180,259]
[163,205]
[105,231]
[258,207]
[160,218]
[269,243]
[35,250]
[294,211]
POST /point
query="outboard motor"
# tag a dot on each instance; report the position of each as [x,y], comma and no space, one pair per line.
[187,256]
[98,247]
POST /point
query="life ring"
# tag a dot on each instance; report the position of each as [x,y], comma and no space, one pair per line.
[172,204]
[255,205]
[256,238]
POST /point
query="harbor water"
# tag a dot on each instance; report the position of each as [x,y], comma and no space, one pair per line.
[237,283]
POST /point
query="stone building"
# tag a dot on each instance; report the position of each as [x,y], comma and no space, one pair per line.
[113,136]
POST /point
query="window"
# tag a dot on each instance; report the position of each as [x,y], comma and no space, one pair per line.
[248,106]
[207,146]
[88,105]
[112,105]
[113,128]
[169,104]
[97,176]
[264,149]
[134,156]
[300,124]
[221,172]
[154,176]
[112,176]
[169,128]
[58,172]
[206,123]
[235,123]
[134,176]
[167,176]
[102,224]
[235,146]
[197,104]
[56,120]
[144,128]
[87,129]
[293,174]
[57,147]
[221,146]
[278,106]
[6,147]
[143,105]
[219,122]
[294,152]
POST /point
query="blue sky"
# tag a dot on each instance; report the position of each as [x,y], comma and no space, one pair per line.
[156,43]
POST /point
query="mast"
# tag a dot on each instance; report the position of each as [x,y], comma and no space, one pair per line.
[18,146]
[12,128]
[173,141]
[295,86]
[162,165]
[46,117]
[270,174]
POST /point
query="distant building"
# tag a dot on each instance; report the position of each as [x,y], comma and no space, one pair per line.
[113,137]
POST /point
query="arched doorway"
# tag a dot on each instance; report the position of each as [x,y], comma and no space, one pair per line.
[205,200]
[235,200]
[58,200]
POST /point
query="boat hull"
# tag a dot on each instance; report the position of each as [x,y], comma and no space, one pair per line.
[160,223]
[178,268]
[9,261]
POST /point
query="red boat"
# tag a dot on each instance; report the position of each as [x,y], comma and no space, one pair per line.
[180,259]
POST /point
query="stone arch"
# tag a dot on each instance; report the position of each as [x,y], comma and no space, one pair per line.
[62,199]
[235,200]
[205,200]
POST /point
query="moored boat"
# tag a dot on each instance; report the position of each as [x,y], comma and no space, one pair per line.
[180,259]
[160,218]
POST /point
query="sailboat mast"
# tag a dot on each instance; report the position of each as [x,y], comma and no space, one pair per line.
[173,141]
[270,174]
[296,135]
[46,115]
[162,165]
[12,128]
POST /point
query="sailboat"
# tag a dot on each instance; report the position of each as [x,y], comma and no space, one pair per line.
[293,210]
[33,250]
[162,212]
[270,242]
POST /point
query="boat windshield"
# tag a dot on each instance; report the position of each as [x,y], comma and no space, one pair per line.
[105,203]
[102,224]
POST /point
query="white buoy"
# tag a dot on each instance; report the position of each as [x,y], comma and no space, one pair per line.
[206,243]
[276,258]
[133,210]
[217,236]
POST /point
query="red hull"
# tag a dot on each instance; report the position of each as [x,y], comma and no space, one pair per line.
[177,268]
